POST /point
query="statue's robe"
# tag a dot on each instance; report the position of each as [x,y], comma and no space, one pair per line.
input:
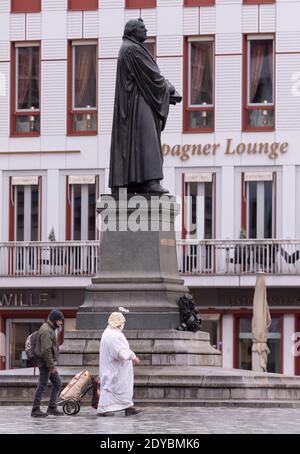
[141,108]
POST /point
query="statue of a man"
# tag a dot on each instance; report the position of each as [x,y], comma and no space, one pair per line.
[141,108]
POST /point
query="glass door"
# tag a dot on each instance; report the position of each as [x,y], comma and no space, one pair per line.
[27,213]
[245,345]
[260,209]
[18,330]
[200,223]
[84,212]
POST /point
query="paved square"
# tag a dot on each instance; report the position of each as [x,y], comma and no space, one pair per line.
[17,420]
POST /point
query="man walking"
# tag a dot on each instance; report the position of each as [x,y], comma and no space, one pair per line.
[47,353]
[116,370]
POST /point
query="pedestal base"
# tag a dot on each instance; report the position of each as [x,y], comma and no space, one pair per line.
[137,265]
[153,347]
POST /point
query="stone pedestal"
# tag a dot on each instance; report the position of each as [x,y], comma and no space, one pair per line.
[137,266]
[153,347]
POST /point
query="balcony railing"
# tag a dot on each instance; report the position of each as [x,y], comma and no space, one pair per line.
[238,257]
[195,257]
[69,258]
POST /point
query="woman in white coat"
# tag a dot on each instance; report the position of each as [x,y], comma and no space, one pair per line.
[116,370]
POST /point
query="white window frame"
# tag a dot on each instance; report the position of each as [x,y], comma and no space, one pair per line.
[84,225]
[27,211]
[260,208]
[200,205]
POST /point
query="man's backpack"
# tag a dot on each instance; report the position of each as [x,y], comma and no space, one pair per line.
[30,344]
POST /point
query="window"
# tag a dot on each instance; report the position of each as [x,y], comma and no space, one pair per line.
[82,92]
[245,344]
[81,204]
[140,3]
[259,110]
[150,45]
[82,5]
[198,220]
[26,90]
[199,2]
[25,6]
[259,199]
[17,332]
[26,205]
[200,210]
[199,104]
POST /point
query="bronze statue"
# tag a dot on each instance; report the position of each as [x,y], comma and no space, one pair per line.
[189,318]
[141,108]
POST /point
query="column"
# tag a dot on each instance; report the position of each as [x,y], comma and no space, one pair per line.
[227,201]
[227,341]
[288,204]
[288,331]
[54,199]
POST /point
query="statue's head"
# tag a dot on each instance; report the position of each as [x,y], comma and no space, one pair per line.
[136,28]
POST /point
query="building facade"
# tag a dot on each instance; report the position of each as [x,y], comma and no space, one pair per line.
[231,156]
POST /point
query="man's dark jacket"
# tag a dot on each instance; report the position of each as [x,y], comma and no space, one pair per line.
[141,109]
[46,345]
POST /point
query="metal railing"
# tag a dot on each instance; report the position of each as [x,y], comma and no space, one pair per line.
[68,258]
[237,257]
[195,257]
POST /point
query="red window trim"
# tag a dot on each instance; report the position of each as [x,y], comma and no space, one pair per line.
[25,6]
[257,2]
[245,107]
[13,113]
[199,2]
[186,109]
[82,5]
[140,3]
[70,111]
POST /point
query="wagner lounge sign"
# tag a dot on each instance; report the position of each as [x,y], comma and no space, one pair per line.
[184,152]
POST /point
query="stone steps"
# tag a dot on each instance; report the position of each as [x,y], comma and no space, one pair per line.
[168,386]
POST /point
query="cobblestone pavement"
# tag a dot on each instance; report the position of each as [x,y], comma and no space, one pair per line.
[17,420]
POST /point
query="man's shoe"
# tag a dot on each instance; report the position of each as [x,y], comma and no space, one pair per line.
[106,413]
[54,412]
[131,411]
[154,187]
[38,413]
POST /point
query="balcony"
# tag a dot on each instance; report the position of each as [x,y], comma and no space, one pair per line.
[195,258]
[238,257]
[69,258]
